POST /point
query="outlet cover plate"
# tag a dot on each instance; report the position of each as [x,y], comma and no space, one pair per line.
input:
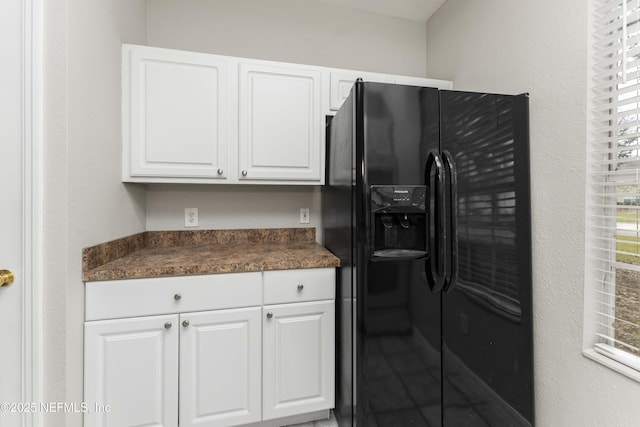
[190,217]
[304,215]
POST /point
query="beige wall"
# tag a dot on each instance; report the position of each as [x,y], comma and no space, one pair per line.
[540,47]
[305,32]
[55,130]
[235,206]
[279,30]
[85,202]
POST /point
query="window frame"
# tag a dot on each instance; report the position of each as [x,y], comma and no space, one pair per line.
[595,225]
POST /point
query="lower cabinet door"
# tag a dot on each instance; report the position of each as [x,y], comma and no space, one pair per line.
[220,367]
[131,372]
[298,358]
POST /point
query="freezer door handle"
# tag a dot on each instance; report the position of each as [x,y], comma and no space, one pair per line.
[435,263]
[452,173]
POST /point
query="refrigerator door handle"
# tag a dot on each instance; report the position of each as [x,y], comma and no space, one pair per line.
[435,263]
[450,168]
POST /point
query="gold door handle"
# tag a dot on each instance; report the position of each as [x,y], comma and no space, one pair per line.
[6,277]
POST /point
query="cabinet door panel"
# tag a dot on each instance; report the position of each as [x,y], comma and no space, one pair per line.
[220,367]
[132,366]
[342,82]
[298,357]
[178,103]
[281,134]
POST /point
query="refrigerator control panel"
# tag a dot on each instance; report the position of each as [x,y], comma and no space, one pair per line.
[398,196]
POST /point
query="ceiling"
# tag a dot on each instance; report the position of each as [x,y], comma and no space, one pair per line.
[415,10]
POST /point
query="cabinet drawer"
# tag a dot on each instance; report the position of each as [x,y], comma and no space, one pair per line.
[144,297]
[283,286]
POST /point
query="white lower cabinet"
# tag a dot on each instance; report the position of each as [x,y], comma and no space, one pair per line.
[131,372]
[242,363]
[298,358]
[132,366]
[220,367]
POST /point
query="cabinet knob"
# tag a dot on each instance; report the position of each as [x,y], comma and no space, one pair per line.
[177,297]
[220,171]
[244,173]
[300,287]
[185,323]
[167,325]
[269,315]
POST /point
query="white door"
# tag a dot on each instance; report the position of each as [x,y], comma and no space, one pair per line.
[11,245]
[220,367]
[342,81]
[174,114]
[298,358]
[281,126]
[131,372]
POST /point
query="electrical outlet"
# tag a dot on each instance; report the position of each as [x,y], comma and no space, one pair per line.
[190,217]
[304,215]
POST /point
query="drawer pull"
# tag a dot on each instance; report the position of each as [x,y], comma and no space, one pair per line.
[269,315]
[185,323]
[300,287]
[167,325]
[177,297]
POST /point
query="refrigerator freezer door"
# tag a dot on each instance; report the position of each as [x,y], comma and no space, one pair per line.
[398,325]
[487,318]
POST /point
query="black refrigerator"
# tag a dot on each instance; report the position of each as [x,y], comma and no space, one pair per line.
[427,205]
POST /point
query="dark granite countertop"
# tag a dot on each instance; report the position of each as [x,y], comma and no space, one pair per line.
[179,253]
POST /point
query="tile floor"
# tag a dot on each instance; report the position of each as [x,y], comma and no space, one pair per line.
[331,422]
[404,389]
[403,382]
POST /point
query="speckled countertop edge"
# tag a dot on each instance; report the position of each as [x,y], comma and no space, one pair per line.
[177,253]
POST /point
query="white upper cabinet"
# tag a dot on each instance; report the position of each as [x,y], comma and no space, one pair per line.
[191,117]
[175,118]
[281,122]
[341,82]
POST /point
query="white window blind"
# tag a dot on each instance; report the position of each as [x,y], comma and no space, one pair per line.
[613,204]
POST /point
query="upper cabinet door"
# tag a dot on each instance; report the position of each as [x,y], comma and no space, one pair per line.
[174,114]
[281,126]
[342,82]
